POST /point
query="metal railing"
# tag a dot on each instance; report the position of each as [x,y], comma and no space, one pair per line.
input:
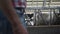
[41,3]
[42,15]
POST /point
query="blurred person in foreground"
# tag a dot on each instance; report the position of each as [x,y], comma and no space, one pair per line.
[9,20]
[20,6]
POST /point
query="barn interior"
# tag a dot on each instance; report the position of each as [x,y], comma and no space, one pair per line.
[43,16]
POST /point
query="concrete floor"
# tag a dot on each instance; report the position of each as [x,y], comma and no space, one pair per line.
[44,30]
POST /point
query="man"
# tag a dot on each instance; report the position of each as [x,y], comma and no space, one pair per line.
[9,21]
[20,6]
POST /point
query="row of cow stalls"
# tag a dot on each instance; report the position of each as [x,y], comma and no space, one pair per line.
[45,15]
[43,20]
[42,16]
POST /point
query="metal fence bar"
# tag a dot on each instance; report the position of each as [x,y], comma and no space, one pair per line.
[42,8]
[44,3]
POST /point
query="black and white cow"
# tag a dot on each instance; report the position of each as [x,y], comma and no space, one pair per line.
[44,18]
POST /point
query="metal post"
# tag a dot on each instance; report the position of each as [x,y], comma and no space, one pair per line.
[35,18]
[44,3]
[50,1]
[32,2]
